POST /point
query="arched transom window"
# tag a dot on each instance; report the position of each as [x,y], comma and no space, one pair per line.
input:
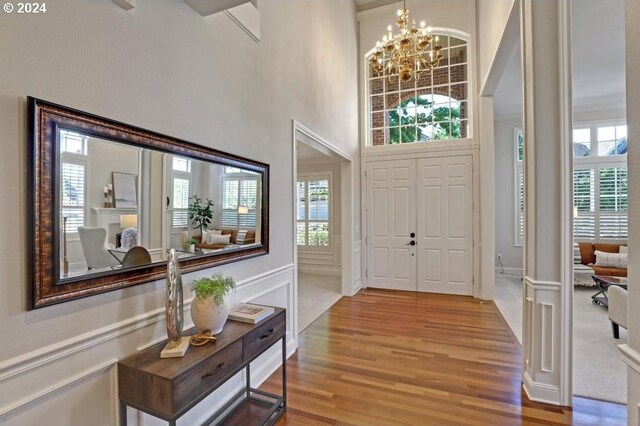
[433,107]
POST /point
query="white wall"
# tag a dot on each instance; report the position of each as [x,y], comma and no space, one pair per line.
[631,352]
[492,21]
[323,260]
[505,193]
[162,67]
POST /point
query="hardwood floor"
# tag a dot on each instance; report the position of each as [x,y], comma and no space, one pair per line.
[403,358]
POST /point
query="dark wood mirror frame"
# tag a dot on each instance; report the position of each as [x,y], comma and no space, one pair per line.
[43,242]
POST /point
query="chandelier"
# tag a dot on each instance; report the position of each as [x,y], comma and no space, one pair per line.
[409,52]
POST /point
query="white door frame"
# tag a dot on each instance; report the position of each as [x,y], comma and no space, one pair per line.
[311,138]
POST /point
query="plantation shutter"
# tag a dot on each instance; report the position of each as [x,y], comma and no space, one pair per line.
[584,199]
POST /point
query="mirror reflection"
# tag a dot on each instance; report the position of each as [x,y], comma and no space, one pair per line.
[122,206]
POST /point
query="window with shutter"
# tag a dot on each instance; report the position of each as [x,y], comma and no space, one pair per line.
[599,183]
[313,211]
[519,188]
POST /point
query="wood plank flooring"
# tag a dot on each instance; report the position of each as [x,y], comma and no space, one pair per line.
[404,358]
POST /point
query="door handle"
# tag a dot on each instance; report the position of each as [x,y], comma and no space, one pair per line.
[412,243]
[412,235]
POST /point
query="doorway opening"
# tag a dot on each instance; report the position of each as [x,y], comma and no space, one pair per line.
[321,225]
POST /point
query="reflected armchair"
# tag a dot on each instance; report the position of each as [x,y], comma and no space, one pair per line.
[93,242]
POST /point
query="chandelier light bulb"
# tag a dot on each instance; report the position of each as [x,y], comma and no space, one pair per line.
[404,55]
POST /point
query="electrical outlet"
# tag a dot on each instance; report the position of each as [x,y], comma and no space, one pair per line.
[499,256]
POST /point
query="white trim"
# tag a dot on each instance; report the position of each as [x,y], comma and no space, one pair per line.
[346,202]
[42,356]
[508,271]
[38,395]
[540,392]
[630,356]
[332,272]
[299,127]
[246,12]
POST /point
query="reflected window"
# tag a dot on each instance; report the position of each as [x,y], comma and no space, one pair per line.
[239,199]
[181,187]
[73,166]
[313,211]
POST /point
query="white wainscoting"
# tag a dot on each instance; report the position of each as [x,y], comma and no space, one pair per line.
[322,262]
[75,382]
[543,324]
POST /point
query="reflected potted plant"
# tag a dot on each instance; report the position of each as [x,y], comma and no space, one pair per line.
[200,212]
[210,306]
[190,245]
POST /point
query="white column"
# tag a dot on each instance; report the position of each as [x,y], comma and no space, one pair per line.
[546,33]
[630,352]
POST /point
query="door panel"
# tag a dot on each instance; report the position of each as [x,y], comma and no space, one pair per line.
[433,198]
[391,217]
[445,225]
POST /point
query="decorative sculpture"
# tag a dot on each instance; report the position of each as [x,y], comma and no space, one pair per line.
[177,345]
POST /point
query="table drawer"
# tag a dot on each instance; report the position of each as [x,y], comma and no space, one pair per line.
[263,336]
[206,374]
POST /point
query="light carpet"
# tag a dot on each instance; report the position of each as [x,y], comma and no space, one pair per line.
[598,372]
[316,294]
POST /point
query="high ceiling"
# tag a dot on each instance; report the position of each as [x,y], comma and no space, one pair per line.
[598,61]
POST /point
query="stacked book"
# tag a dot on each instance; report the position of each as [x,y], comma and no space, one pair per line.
[247,312]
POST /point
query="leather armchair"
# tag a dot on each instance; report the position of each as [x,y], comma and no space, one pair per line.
[618,301]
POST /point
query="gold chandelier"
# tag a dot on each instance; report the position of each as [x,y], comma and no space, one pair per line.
[409,52]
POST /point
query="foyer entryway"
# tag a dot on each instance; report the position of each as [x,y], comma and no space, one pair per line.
[420,224]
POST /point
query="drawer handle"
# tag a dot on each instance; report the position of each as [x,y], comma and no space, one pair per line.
[267,334]
[214,371]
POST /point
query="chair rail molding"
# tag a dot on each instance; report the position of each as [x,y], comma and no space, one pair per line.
[60,367]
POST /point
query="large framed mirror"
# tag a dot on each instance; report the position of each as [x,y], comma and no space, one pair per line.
[109,200]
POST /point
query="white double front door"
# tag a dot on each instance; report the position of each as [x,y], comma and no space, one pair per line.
[420,225]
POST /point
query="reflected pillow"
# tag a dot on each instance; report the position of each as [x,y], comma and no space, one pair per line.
[241,236]
[206,233]
[611,260]
[219,239]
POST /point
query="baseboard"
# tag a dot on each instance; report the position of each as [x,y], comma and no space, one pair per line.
[540,392]
[510,271]
[356,287]
[319,271]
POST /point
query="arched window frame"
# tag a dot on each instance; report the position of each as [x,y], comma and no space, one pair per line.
[470,89]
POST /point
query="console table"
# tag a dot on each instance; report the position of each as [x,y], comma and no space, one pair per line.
[169,387]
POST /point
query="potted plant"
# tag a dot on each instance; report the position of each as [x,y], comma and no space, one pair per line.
[210,307]
[200,212]
[190,245]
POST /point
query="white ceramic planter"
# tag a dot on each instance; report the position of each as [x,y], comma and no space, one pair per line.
[206,315]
